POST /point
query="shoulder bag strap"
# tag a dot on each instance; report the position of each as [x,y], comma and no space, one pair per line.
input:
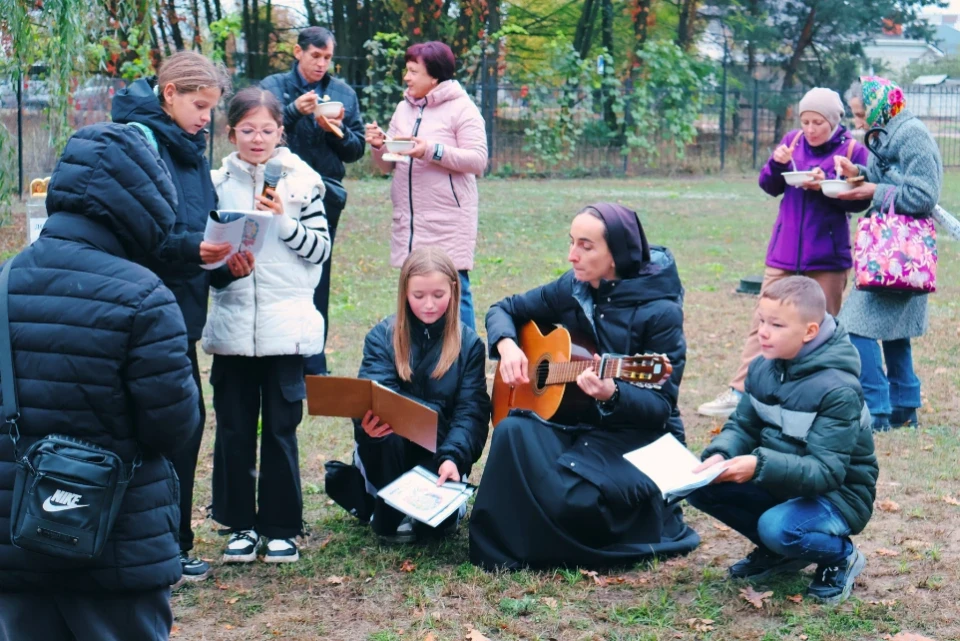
[11,410]
[148,132]
[853,143]
[793,142]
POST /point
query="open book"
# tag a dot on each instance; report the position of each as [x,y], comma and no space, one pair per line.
[416,494]
[244,230]
[353,397]
[670,465]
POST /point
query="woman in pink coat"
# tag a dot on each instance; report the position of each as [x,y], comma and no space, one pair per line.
[434,193]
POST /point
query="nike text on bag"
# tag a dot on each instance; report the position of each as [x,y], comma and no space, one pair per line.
[67,492]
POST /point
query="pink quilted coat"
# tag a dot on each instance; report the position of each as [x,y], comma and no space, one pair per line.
[435,202]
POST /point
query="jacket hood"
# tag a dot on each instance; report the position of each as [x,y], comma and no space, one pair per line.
[659,280]
[111,175]
[137,103]
[446,91]
[836,353]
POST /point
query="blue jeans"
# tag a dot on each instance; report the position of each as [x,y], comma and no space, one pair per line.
[898,386]
[466,301]
[808,529]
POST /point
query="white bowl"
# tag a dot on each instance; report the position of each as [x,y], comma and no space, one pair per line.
[797,178]
[396,146]
[328,109]
[833,188]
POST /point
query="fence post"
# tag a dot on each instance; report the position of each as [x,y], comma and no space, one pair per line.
[723,104]
[754,117]
[488,101]
[20,133]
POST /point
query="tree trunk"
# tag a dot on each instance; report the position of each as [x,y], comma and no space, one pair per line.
[311,13]
[640,16]
[257,71]
[792,66]
[174,21]
[163,32]
[686,23]
[195,9]
[584,33]
[245,30]
[606,38]
[218,9]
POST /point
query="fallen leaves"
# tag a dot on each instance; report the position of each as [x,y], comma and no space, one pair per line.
[949,500]
[907,636]
[887,505]
[474,635]
[550,602]
[175,631]
[336,580]
[700,625]
[228,627]
[796,598]
[408,566]
[324,543]
[716,430]
[720,526]
[430,637]
[232,601]
[886,552]
[599,580]
[754,598]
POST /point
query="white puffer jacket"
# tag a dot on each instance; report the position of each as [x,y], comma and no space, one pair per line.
[271,312]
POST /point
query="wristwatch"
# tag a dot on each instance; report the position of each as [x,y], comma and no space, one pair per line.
[438,152]
[611,402]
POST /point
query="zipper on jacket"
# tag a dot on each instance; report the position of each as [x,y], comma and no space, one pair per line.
[453,190]
[803,211]
[416,128]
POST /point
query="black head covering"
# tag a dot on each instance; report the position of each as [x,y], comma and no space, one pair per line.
[625,237]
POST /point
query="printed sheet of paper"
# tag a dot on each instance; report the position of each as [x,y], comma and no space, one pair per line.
[244,230]
[416,494]
[670,465]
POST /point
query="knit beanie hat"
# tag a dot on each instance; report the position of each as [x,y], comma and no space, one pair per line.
[825,102]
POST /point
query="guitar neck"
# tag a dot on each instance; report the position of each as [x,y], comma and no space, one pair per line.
[562,373]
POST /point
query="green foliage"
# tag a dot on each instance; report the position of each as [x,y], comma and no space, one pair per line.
[668,98]
[949,65]
[230,26]
[384,76]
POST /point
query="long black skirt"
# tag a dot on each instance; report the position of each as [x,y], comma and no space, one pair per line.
[553,496]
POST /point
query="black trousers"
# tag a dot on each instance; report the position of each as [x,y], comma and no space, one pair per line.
[185,461]
[270,501]
[317,364]
[125,616]
[382,461]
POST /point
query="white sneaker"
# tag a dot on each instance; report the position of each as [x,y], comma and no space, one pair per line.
[722,406]
[242,547]
[281,551]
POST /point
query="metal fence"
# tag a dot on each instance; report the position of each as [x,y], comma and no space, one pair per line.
[735,134]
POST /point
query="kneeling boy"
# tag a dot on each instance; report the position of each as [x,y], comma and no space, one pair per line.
[801,472]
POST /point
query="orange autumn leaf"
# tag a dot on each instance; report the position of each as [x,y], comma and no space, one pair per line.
[949,500]
[335,580]
[754,598]
[796,598]
[886,552]
[887,505]
[408,566]
[474,635]
[909,636]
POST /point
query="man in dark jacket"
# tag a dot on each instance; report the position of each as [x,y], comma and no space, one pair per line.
[563,494]
[315,141]
[800,471]
[100,353]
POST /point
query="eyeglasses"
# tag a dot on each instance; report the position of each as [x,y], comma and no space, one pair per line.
[249,133]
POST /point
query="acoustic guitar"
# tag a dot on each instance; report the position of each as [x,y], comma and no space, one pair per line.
[555,361]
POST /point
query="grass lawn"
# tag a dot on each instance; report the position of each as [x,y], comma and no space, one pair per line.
[347,586]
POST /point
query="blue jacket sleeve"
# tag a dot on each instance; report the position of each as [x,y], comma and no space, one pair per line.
[159,378]
[350,148]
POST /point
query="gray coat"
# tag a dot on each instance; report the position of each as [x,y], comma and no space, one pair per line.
[908,163]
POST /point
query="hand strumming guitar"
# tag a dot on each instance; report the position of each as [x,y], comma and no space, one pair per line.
[513,362]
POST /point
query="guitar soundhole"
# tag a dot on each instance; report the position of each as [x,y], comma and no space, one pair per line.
[540,376]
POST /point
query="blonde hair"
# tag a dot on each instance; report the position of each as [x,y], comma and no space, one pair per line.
[421,262]
[803,293]
[190,71]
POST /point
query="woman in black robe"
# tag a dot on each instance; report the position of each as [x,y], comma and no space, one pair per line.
[563,494]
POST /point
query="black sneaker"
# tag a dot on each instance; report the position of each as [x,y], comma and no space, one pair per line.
[903,417]
[880,423]
[242,547]
[832,584]
[281,551]
[762,563]
[194,569]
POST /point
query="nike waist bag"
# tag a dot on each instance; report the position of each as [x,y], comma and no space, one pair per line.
[66,497]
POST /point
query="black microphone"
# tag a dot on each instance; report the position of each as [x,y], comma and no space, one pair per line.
[271,175]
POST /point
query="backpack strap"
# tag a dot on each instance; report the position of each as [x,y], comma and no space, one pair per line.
[8,381]
[148,132]
[793,143]
[853,143]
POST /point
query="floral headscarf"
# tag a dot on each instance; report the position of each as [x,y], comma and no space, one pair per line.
[882,100]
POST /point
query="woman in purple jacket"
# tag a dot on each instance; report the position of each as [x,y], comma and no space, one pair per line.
[811,236]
